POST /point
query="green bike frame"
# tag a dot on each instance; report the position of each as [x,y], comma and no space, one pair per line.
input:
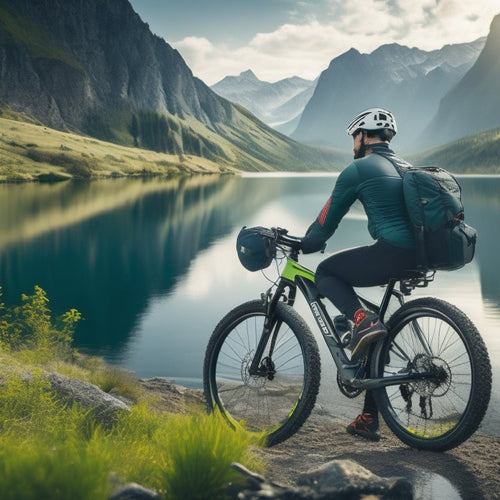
[295,276]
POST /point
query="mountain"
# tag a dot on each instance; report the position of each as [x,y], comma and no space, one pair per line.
[94,67]
[474,103]
[408,81]
[273,103]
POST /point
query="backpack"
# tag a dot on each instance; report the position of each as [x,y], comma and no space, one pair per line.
[433,199]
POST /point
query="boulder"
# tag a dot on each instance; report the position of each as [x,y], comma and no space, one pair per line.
[104,406]
[339,479]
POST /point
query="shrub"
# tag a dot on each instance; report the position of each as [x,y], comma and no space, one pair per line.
[29,328]
[49,449]
[181,456]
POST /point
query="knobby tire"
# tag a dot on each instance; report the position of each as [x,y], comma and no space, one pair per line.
[276,406]
[439,413]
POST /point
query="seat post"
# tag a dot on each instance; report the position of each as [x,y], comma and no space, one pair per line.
[387,298]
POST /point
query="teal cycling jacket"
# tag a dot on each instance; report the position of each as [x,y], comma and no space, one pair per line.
[375,182]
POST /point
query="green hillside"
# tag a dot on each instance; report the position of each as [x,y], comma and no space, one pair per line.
[30,151]
[475,154]
[33,152]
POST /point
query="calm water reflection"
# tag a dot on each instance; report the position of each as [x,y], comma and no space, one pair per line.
[152,267]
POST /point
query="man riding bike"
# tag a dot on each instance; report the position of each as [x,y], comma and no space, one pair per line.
[372,179]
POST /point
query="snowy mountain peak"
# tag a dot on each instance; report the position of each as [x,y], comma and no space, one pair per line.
[273,103]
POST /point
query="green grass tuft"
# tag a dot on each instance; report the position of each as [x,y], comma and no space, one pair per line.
[198,456]
[35,470]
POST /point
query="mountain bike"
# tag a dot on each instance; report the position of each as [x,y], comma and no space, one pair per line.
[430,376]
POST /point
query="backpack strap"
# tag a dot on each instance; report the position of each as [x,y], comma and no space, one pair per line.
[400,165]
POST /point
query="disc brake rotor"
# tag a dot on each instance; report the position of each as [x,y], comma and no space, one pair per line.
[252,381]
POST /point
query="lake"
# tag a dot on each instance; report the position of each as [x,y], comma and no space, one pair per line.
[152,267]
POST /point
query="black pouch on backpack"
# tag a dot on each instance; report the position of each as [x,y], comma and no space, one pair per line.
[450,248]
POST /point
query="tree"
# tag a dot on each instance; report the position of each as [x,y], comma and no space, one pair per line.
[134,130]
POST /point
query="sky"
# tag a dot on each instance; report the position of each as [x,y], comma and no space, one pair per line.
[278,39]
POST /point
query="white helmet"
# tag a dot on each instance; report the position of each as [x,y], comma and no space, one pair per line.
[373,119]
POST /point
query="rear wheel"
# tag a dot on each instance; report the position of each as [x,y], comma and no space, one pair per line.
[440,411]
[276,402]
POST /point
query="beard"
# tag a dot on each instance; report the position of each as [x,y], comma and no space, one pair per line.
[360,153]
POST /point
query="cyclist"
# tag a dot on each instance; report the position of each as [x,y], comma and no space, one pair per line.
[372,179]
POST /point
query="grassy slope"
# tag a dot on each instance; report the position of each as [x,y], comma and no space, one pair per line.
[30,152]
[56,448]
[476,154]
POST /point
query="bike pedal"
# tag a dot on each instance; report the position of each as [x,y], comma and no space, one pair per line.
[345,340]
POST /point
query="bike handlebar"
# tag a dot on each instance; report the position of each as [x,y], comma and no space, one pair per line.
[283,238]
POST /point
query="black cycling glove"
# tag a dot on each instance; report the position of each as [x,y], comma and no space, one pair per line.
[310,245]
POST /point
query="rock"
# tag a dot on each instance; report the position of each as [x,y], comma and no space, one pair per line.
[343,477]
[339,479]
[258,488]
[104,406]
[134,491]
[172,397]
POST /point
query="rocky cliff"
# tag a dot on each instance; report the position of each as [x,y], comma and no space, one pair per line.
[474,104]
[93,66]
[66,61]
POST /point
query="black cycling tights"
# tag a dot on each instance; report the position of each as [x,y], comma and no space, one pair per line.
[365,266]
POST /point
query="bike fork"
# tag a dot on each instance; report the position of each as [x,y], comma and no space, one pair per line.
[263,366]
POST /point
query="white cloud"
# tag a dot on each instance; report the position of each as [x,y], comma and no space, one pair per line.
[211,62]
[198,52]
[303,50]
[306,49]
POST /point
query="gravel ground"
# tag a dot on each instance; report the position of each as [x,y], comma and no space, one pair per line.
[470,471]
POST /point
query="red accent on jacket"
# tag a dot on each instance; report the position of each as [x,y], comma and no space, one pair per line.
[324,212]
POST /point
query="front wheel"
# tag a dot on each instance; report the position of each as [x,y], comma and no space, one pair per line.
[277,401]
[438,412]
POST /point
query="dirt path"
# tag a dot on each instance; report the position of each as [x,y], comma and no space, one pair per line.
[471,471]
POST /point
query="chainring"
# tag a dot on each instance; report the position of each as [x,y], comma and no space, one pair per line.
[348,390]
